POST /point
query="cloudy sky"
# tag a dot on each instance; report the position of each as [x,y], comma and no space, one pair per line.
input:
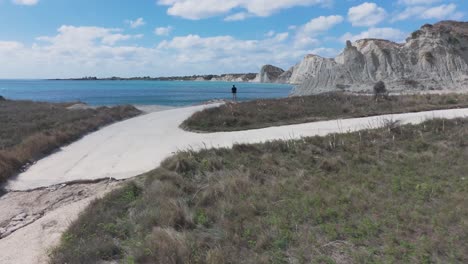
[70,38]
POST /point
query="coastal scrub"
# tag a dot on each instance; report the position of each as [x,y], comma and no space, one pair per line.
[296,110]
[30,130]
[390,195]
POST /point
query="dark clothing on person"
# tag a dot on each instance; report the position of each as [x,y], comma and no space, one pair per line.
[234,93]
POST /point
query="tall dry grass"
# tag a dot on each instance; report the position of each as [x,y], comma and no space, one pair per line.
[392,195]
[294,110]
[31,130]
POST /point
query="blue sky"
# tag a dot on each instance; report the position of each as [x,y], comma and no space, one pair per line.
[69,38]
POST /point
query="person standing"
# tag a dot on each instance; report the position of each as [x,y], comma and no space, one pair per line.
[234,93]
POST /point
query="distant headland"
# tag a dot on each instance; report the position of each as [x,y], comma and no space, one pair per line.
[237,77]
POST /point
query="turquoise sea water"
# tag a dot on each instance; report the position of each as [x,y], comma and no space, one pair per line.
[169,93]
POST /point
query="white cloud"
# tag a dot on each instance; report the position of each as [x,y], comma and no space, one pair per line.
[136,23]
[270,33]
[366,14]
[277,36]
[71,37]
[426,12]
[305,36]
[163,31]
[8,46]
[73,51]
[213,43]
[442,12]
[95,51]
[409,12]
[280,37]
[303,41]
[392,34]
[418,2]
[26,2]
[229,54]
[199,9]
[321,24]
[238,16]
[114,38]
[266,8]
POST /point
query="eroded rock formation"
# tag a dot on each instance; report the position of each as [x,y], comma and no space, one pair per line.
[270,74]
[433,58]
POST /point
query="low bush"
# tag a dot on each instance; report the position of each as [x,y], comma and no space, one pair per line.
[380,90]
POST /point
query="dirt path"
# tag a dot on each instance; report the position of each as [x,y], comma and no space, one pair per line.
[33,221]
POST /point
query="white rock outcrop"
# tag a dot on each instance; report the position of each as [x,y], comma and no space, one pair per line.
[270,74]
[433,58]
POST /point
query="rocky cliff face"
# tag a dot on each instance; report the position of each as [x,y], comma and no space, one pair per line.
[269,74]
[311,66]
[433,58]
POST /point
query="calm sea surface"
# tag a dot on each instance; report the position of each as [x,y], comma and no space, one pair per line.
[136,92]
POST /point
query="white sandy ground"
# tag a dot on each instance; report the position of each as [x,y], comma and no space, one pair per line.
[127,149]
[140,144]
[45,215]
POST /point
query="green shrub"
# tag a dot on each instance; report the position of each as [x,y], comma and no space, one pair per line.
[380,90]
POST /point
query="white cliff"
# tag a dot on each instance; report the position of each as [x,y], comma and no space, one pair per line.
[433,58]
[270,74]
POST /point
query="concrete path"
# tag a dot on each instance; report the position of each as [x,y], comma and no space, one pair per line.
[124,150]
[138,145]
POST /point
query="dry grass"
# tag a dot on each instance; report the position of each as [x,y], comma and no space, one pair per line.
[392,195]
[31,130]
[295,110]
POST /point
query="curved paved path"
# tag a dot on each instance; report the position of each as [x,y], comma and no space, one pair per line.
[138,145]
[133,147]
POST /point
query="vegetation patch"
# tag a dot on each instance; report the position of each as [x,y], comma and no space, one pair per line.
[392,195]
[31,130]
[296,110]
